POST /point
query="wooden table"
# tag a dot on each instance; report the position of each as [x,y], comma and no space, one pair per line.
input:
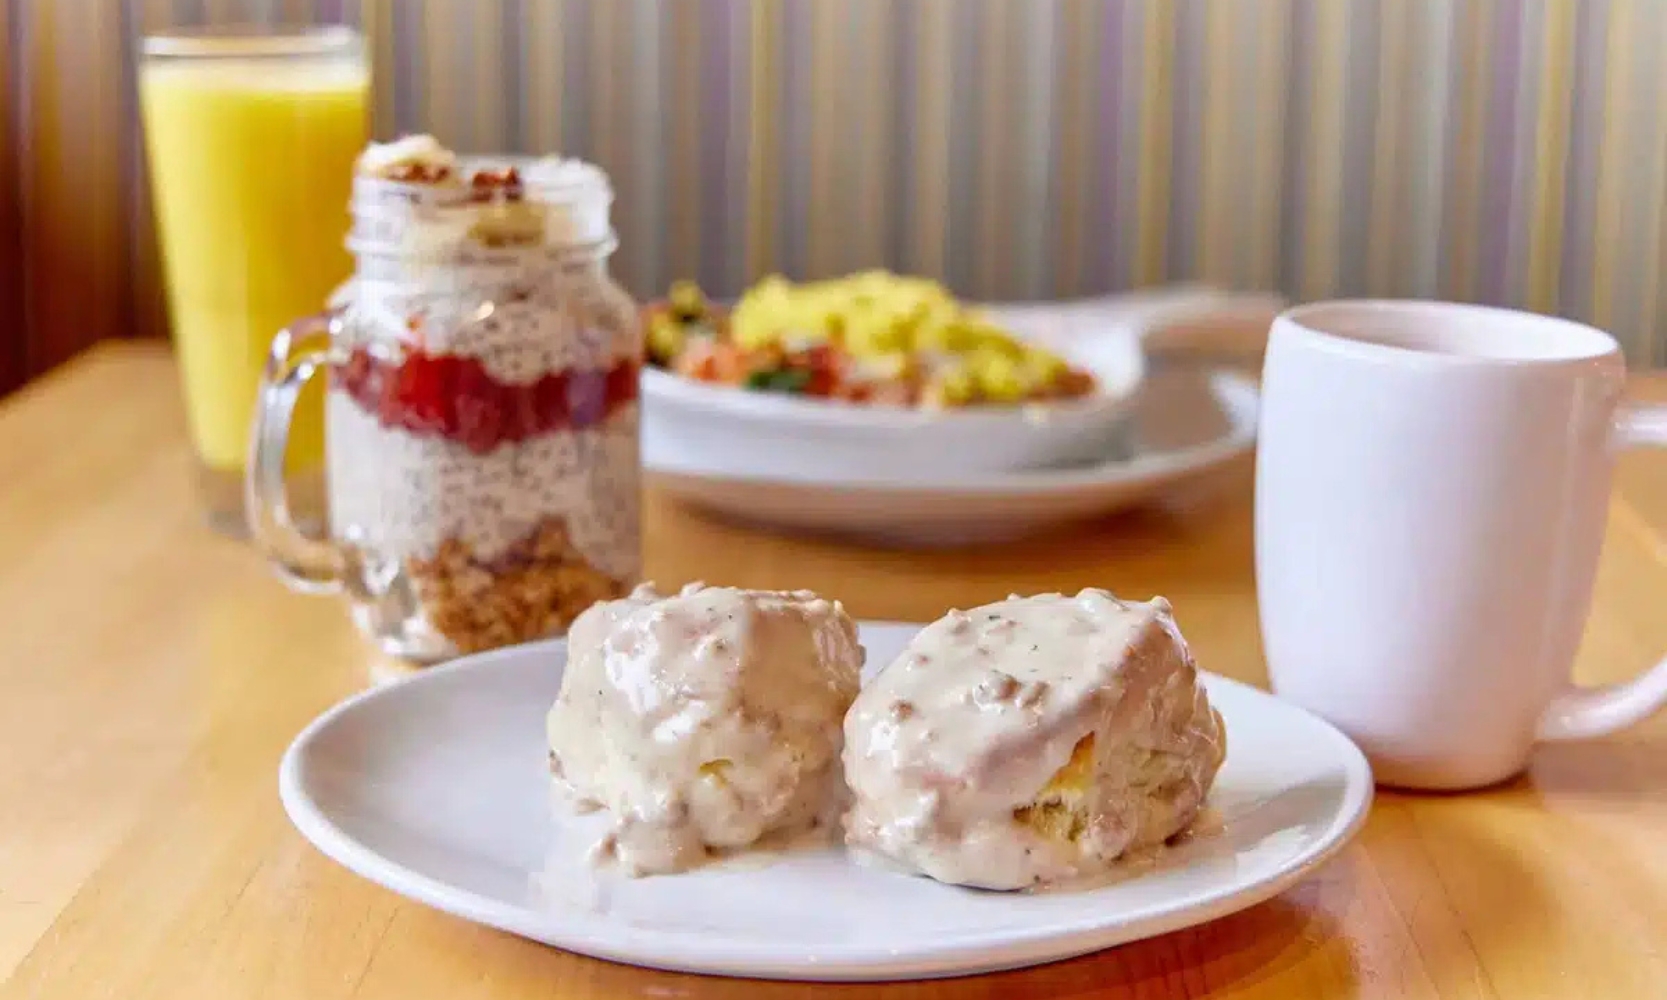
[153,673]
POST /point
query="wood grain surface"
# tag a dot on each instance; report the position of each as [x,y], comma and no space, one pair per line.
[153,673]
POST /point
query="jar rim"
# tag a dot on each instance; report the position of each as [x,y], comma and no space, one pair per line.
[571,207]
[484,257]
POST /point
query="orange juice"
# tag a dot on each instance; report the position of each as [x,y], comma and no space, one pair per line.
[251,157]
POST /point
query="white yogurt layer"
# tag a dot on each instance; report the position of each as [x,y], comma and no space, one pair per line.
[519,328]
[401,494]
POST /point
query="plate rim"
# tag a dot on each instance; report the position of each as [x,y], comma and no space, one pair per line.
[710,399]
[676,952]
[1238,391]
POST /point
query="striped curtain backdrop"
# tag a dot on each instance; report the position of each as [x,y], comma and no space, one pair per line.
[1508,151]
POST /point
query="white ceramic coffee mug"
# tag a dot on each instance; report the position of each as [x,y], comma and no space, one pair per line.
[1432,484]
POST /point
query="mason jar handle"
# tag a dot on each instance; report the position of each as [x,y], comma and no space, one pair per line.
[308,564]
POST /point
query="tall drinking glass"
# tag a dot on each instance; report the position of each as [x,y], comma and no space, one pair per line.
[251,135]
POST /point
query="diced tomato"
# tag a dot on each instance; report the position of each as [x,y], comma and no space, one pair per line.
[732,365]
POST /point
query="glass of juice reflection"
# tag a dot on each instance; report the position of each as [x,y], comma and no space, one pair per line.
[251,135]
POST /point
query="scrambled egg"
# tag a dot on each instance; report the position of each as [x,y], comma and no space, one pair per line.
[892,326]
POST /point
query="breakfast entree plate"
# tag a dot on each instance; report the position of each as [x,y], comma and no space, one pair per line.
[877,376]
[1188,424]
[766,436]
[439,787]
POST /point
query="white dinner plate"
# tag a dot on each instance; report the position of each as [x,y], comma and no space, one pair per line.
[705,423]
[436,787]
[714,426]
[1185,423]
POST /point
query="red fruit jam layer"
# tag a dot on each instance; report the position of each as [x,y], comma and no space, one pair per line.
[455,398]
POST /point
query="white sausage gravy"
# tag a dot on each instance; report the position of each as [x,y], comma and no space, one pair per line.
[1030,741]
[704,720]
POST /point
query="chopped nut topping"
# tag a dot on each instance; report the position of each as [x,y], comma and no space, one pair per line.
[496,185]
[416,172]
[412,159]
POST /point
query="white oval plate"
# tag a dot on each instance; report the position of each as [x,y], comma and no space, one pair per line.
[700,425]
[1185,424]
[435,786]
[709,423]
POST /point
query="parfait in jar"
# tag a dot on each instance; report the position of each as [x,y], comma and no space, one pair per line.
[481,414]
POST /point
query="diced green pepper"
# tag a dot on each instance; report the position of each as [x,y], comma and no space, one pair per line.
[787,380]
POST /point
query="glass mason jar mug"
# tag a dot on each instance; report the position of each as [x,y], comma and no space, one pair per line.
[481,413]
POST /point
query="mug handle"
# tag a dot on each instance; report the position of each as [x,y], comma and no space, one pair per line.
[308,564]
[1583,713]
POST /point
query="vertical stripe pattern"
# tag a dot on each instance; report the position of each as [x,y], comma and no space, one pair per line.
[1509,151]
